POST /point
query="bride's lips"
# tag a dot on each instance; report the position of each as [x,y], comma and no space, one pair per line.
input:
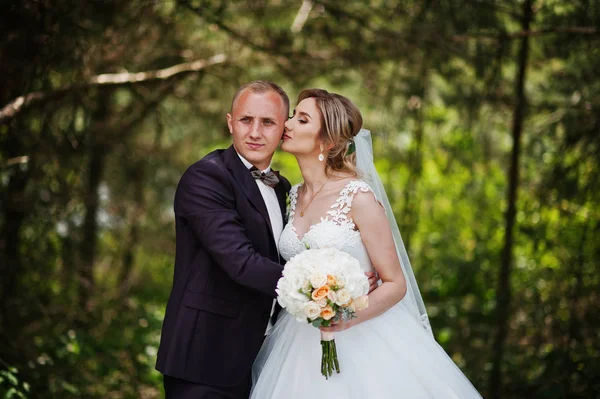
[286,137]
[255,146]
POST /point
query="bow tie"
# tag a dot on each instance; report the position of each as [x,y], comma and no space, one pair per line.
[269,178]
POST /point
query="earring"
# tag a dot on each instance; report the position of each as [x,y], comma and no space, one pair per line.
[321,156]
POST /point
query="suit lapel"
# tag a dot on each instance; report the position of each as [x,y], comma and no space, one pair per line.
[247,184]
[281,191]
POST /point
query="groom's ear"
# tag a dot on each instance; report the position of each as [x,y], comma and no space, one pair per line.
[229,120]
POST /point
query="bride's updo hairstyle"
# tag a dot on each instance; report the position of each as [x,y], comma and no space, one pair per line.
[341,120]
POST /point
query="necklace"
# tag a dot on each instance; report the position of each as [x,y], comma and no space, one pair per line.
[312,198]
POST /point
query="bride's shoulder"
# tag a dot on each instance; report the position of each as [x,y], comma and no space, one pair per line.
[357,185]
[363,197]
[355,192]
[352,186]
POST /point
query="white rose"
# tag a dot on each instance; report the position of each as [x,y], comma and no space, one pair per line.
[306,287]
[322,302]
[351,288]
[312,310]
[332,296]
[318,280]
[298,297]
[294,282]
[342,297]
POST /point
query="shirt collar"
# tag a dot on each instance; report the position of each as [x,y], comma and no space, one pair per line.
[248,165]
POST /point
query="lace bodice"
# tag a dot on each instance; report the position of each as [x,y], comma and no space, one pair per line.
[335,230]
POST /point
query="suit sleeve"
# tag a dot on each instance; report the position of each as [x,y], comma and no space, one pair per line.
[204,199]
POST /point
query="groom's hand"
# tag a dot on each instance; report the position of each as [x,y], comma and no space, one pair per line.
[373,279]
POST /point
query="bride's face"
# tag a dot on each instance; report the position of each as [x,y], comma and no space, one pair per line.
[301,135]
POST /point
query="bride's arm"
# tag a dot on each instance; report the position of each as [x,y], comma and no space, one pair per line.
[370,219]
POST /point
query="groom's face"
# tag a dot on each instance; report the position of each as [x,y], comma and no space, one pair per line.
[256,124]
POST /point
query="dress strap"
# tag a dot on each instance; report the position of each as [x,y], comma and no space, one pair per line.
[293,200]
[340,209]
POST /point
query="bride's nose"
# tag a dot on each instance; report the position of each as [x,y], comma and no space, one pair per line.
[287,125]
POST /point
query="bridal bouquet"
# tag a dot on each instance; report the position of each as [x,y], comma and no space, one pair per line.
[320,286]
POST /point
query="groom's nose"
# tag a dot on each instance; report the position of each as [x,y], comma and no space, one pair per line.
[255,131]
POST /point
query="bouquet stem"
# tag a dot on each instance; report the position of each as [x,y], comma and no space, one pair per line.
[329,358]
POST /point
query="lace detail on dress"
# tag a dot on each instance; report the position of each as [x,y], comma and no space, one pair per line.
[339,211]
[293,199]
[335,230]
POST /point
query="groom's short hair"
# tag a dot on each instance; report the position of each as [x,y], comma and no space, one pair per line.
[262,86]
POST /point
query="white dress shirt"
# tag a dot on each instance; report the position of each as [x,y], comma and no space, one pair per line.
[274,211]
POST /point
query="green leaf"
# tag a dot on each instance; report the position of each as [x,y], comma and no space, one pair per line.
[12,379]
[351,148]
[69,387]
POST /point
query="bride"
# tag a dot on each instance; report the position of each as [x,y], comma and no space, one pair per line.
[388,351]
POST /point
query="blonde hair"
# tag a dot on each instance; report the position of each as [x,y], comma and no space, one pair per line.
[341,121]
[262,86]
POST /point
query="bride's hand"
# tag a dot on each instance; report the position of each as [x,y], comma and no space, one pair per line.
[373,279]
[341,325]
[337,326]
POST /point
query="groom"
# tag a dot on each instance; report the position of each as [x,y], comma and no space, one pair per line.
[229,214]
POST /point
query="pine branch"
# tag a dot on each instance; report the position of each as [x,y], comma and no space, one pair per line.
[19,104]
[302,16]
[281,54]
[584,30]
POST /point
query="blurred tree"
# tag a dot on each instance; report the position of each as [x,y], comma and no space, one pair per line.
[104,105]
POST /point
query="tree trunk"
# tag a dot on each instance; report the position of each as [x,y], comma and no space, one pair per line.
[411,200]
[503,290]
[573,335]
[69,265]
[136,176]
[97,156]
[15,210]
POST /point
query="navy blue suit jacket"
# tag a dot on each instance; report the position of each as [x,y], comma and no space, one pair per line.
[226,270]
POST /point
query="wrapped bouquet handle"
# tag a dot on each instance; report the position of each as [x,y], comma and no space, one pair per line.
[329,358]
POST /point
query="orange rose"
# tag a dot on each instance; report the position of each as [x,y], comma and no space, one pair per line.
[321,292]
[327,313]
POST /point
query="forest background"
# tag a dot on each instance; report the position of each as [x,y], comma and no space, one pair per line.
[486,124]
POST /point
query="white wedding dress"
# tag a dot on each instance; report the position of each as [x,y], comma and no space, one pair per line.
[390,356]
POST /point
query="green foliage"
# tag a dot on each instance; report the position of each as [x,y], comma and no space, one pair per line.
[88,177]
[10,386]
